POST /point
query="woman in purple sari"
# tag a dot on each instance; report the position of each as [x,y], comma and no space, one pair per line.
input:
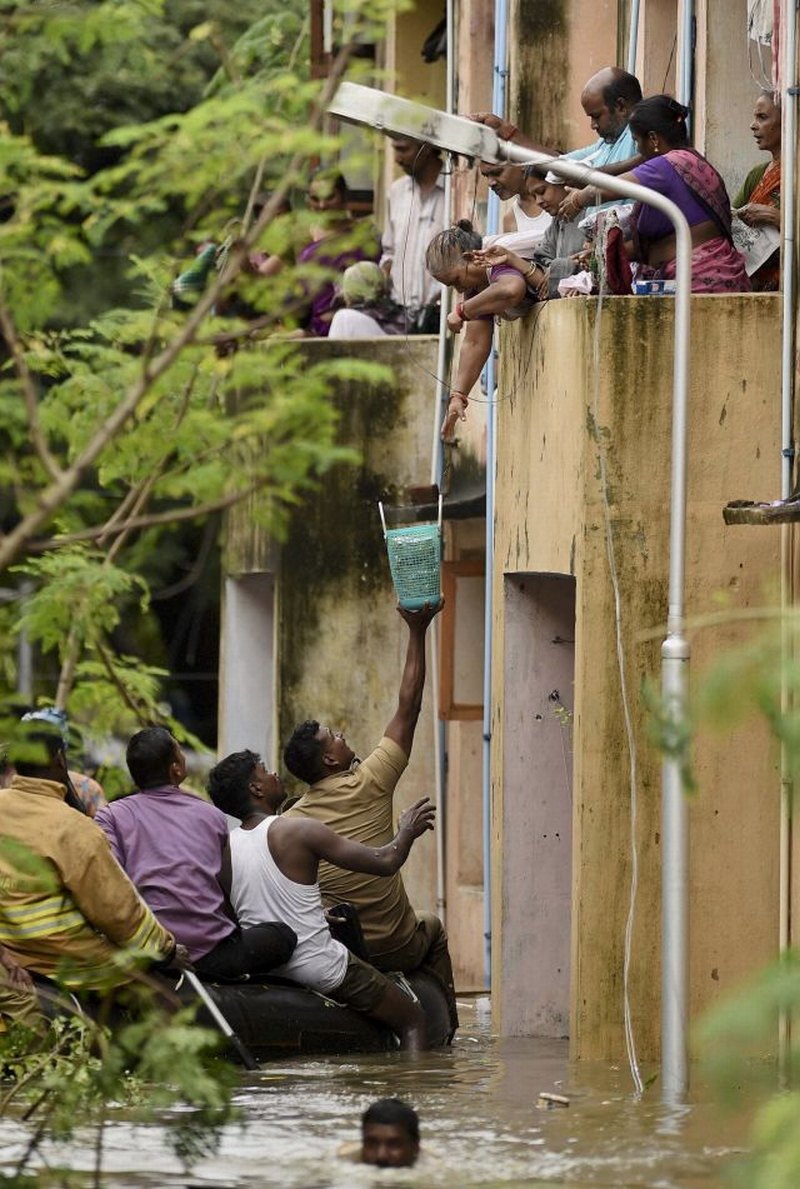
[672,168]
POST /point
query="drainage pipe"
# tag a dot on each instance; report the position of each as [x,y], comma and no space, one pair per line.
[788,261]
[437,474]
[492,227]
[685,80]
[388,113]
[633,37]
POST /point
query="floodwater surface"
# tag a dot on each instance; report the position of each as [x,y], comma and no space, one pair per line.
[479,1117]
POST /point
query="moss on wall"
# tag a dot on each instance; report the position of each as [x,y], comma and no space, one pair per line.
[539,80]
[333,569]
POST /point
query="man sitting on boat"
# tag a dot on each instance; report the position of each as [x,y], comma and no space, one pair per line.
[274,865]
[354,798]
[172,845]
[67,910]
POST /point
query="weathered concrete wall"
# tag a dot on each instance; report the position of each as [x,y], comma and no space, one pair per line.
[341,645]
[554,47]
[572,390]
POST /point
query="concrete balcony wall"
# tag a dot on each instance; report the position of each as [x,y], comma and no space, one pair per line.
[577,376]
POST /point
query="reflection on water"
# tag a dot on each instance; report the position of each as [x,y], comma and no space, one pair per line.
[480,1126]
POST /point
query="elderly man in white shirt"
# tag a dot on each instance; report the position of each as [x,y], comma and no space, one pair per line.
[415,215]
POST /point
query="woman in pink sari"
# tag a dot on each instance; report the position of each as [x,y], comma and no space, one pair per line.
[672,168]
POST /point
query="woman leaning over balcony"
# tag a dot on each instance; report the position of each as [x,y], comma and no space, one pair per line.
[672,168]
[485,292]
[758,202]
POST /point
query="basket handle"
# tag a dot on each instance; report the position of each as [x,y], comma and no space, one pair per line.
[383,518]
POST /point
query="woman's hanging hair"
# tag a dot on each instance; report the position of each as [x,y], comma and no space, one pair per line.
[663,115]
[446,250]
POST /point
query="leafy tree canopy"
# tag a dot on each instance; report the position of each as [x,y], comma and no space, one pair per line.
[136,130]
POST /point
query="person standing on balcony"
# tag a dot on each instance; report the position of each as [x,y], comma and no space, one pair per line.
[608,99]
[414,216]
[354,798]
[524,222]
[680,173]
[758,203]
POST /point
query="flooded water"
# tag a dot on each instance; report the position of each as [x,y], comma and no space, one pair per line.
[479,1118]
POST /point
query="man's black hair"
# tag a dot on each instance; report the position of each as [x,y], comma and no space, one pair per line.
[302,755]
[623,86]
[150,755]
[228,783]
[35,747]
[393,1112]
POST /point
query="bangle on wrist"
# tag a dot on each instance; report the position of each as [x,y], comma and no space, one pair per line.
[461,312]
[530,270]
[511,132]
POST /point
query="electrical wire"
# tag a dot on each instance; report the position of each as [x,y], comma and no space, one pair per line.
[630,1042]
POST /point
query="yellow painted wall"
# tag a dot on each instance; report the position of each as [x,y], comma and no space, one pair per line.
[571,389]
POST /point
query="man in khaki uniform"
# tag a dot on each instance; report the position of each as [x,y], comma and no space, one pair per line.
[354,798]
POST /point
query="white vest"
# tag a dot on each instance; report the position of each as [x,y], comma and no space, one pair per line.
[260,892]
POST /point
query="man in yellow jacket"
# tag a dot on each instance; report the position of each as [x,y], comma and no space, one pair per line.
[67,909]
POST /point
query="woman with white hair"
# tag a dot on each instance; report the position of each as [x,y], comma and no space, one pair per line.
[368,310]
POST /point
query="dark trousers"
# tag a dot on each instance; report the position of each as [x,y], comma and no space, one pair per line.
[248,951]
[427,950]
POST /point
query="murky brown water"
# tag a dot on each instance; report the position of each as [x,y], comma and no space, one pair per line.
[480,1122]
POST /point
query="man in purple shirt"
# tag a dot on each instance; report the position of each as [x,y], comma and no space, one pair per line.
[172,846]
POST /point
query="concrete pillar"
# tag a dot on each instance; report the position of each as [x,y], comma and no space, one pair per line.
[247,664]
[536,869]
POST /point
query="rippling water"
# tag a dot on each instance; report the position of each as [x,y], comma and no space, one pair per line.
[480,1126]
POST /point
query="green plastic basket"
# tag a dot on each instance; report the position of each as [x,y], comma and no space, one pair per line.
[415,561]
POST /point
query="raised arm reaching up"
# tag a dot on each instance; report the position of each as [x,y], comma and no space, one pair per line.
[412,684]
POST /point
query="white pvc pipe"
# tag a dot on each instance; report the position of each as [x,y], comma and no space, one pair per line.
[788,218]
[442,397]
[492,226]
[685,53]
[633,37]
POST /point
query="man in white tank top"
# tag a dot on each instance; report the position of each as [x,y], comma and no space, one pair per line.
[273,876]
[524,222]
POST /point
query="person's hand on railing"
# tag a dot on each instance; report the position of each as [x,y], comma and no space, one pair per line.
[504,128]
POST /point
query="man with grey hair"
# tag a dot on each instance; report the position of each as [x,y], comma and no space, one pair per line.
[608,98]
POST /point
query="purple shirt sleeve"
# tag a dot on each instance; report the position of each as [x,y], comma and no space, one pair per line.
[657,174]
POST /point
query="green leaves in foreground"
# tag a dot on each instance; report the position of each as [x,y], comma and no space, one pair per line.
[739,1042]
[70,1077]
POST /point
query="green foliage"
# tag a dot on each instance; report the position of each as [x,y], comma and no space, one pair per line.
[69,1076]
[736,1036]
[134,130]
[739,1039]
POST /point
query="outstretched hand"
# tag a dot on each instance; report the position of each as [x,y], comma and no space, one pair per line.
[456,411]
[420,619]
[494,254]
[504,128]
[419,818]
